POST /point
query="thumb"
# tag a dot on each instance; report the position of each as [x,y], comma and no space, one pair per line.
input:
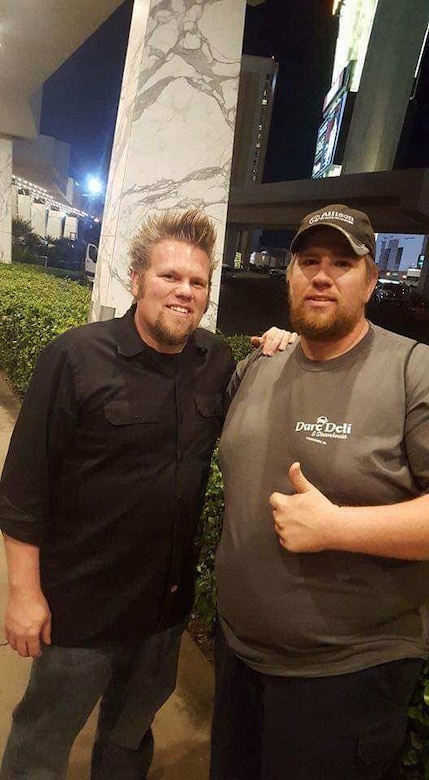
[46,632]
[299,482]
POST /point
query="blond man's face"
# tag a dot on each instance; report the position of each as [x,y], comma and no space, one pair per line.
[171,295]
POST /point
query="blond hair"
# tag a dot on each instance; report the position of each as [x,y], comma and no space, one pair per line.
[191,226]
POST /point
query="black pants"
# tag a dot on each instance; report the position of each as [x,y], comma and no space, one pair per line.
[327,728]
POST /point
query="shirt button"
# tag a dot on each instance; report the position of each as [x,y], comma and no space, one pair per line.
[174,588]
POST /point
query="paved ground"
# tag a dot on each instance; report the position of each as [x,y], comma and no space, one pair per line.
[181,727]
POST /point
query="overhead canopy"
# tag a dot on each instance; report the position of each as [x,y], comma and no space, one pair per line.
[36,37]
[396,201]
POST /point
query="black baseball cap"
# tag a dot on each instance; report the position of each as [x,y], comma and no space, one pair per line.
[353,224]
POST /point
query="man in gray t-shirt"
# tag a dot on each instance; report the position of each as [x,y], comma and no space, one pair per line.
[322,573]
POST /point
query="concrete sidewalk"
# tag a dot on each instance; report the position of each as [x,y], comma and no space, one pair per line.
[182,726]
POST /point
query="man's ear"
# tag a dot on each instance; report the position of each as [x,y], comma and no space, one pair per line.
[209,289]
[135,283]
[372,279]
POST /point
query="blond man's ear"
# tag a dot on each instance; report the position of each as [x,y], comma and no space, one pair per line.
[135,283]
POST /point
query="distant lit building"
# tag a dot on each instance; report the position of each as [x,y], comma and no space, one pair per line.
[377,59]
[355,19]
[256,91]
[258,76]
[43,193]
[398,252]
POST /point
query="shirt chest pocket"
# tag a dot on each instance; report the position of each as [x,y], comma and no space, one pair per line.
[210,412]
[120,413]
[135,430]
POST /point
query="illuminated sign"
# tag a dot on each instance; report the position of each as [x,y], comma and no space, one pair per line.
[340,85]
[327,138]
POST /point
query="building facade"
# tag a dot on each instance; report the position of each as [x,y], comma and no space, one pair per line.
[378,52]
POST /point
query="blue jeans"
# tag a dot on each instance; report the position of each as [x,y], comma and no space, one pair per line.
[64,687]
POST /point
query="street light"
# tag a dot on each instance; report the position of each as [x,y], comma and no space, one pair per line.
[94,185]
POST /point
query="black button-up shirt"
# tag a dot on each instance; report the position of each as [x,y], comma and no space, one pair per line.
[106,472]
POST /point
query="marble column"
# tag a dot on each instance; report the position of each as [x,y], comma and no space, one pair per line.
[174,131]
[14,201]
[5,200]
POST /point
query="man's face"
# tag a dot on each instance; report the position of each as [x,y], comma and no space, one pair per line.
[171,295]
[328,287]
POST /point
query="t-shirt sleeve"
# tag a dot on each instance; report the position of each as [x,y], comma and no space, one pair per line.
[43,431]
[417,415]
[239,373]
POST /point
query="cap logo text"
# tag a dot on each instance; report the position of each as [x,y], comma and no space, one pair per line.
[332,215]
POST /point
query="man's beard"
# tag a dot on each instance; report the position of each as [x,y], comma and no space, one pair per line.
[169,336]
[322,325]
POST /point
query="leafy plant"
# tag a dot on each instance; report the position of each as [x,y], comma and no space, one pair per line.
[34,308]
[27,246]
[66,253]
[207,540]
[414,762]
[211,519]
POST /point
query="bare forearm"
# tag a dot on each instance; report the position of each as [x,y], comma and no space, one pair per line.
[308,522]
[392,531]
[28,617]
[23,563]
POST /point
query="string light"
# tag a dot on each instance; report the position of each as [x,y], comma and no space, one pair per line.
[40,193]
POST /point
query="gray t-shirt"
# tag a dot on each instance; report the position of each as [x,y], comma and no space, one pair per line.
[359,425]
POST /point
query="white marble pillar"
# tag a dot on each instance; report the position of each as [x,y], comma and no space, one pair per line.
[14,201]
[5,200]
[174,132]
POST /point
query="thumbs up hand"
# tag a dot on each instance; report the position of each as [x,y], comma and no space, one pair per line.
[306,521]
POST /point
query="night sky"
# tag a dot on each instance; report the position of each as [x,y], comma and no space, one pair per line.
[301,36]
[80,100]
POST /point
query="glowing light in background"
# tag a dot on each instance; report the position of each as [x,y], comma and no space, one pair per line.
[94,185]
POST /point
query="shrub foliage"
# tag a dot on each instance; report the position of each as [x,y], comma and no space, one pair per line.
[34,308]
[212,517]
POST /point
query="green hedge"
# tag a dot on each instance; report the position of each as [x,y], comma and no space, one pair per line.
[35,307]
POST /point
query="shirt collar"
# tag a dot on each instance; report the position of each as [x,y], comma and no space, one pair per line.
[130,343]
